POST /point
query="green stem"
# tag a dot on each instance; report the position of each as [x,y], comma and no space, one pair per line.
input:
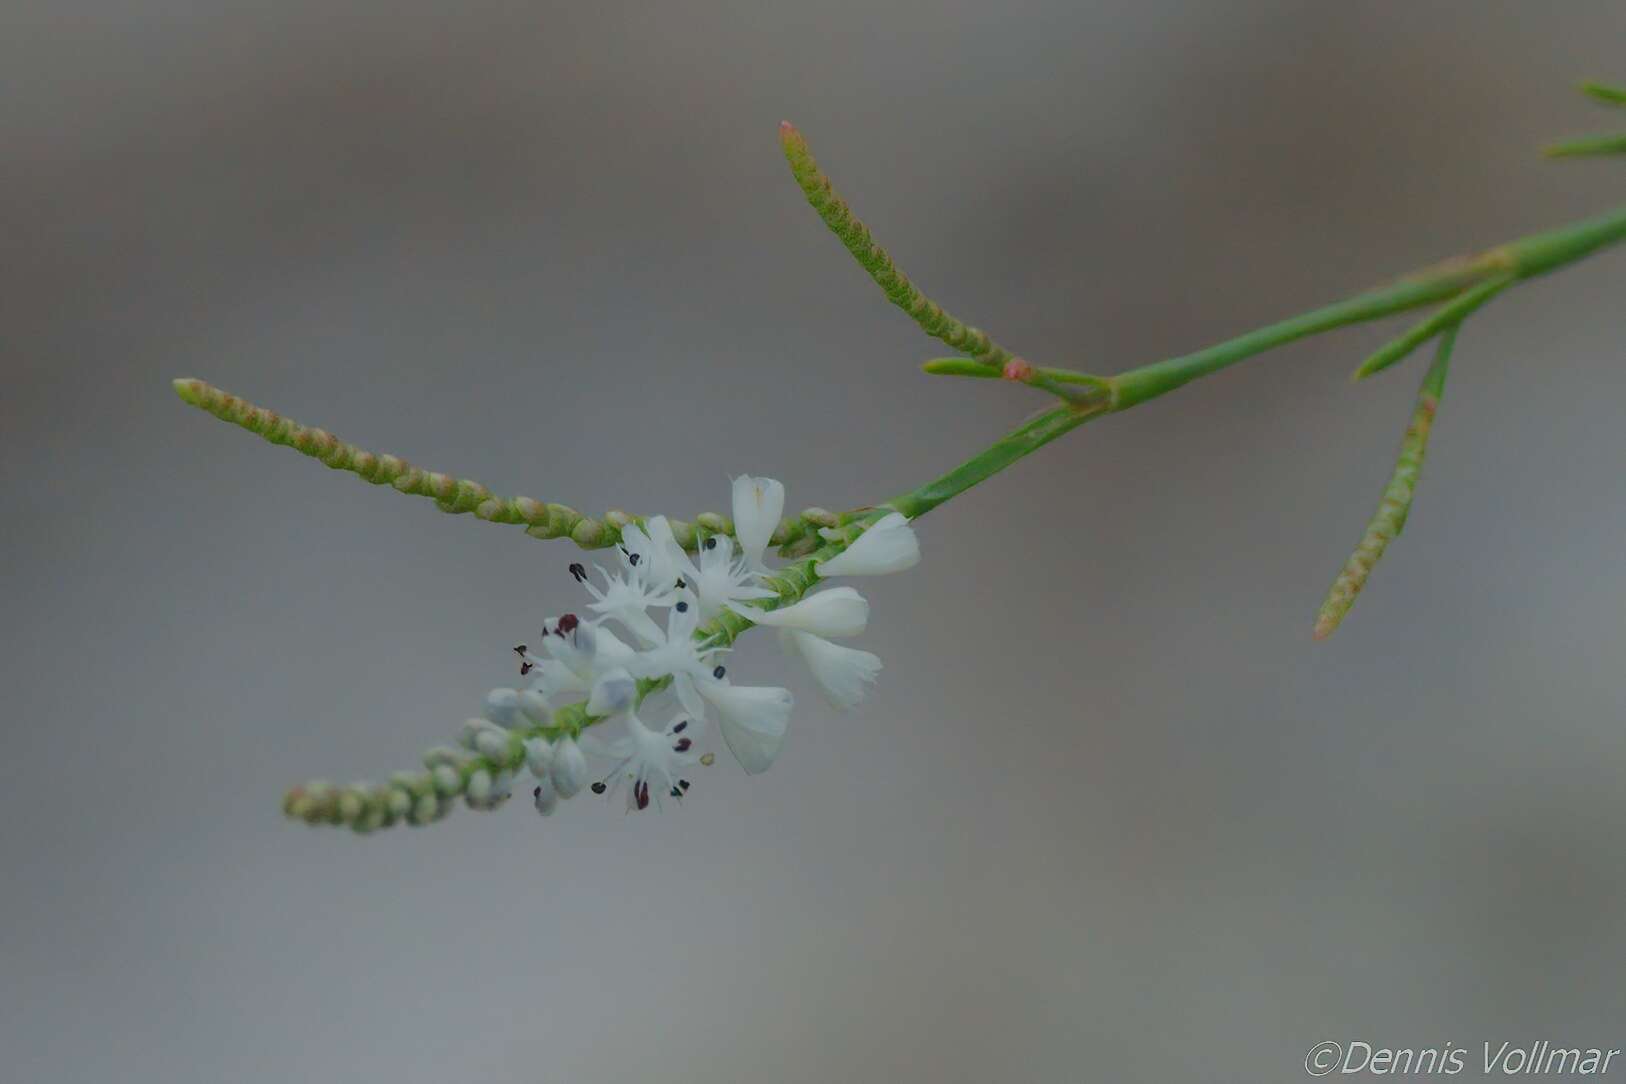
[1021,441]
[1588,146]
[1522,259]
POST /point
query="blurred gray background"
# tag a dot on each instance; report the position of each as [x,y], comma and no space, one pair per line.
[1110,813]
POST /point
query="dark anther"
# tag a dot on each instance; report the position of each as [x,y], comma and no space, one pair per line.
[681,727]
[682,745]
[681,584]
[718,673]
[640,794]
[597,788]
[579,572]
[632,559]
[682,607]
[536,792]
[525,668]
[568,623]
[676,793]
[711,543]
[520,650]
[684,783]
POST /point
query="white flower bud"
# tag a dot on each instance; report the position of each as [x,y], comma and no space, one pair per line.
[538,756]
[479,788]
[534,706]
[493,745]
[502,708]
[446,779]
[569,768]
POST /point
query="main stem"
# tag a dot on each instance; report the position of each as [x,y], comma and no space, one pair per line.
[1522,259]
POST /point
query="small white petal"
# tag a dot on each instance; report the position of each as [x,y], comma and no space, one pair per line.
[752,721]
[612,694]
[758,504]
[843,674]
[836,611]
[569,768]
[889,545]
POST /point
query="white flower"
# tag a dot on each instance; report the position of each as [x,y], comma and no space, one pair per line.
[843,674]
[568,768]
[758,504]
[752,721]
[544,797]
[651,553]
[614,692]
[836,611]
[888,545]
[720,578]
[627,599]
[648,757]
[579,652]
[680,656]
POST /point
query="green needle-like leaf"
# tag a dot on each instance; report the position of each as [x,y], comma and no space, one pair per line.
[1448,317]
[1603,92]
[1588,147]
[1390,518]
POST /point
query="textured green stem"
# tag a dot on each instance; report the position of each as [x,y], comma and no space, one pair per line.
[456,495]
[874,259]
[1390,518]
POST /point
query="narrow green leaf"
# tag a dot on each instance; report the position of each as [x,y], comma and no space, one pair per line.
[1588,147]
[1390,518]
[1447,317]
[1603,92]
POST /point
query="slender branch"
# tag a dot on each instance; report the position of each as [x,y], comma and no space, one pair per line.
[796,535]
[1525,258]
[1390,518]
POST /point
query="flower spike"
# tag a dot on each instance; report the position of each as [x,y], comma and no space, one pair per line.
[1390,518]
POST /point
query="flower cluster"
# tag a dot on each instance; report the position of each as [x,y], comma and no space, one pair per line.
[619,657]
